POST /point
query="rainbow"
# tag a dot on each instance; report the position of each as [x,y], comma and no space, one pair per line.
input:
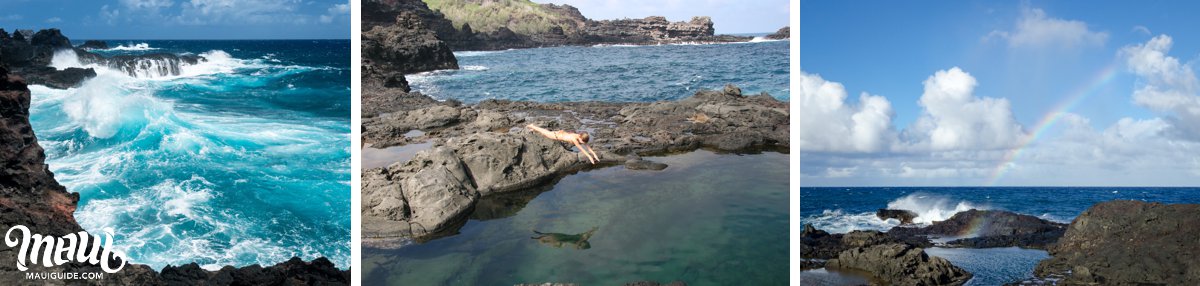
[1101,78]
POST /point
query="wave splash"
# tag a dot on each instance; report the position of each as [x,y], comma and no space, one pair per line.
[929,209]
[181,183]
[154,66]
[132,47]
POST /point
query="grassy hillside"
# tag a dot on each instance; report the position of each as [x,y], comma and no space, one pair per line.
[521,16]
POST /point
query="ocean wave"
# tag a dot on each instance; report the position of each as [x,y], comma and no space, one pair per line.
[131,47]
[474,53]
[929,208]
[474,68]
[764,39]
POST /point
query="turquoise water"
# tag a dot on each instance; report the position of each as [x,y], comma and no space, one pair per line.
[242,159]
[708,219]
[611,73]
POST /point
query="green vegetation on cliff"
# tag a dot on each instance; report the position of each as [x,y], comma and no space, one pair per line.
[520,16]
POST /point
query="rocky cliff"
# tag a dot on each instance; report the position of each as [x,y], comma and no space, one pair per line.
[508,24]
[1129,243]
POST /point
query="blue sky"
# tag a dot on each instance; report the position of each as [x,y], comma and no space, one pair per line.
[999,93]
[729,16]
[181,19]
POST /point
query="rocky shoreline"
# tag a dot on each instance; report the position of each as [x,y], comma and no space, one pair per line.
[483,149]
[1112,243]
[571,29]
[30,196]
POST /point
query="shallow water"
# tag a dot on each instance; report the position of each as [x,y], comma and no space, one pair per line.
[382,157]
[611,73]
[708,219]
[992,266]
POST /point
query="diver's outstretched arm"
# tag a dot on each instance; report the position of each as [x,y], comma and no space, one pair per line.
[584,151]
[589,148]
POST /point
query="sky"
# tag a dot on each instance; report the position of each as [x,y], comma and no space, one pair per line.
[181,19]
[982,93]
[729,16]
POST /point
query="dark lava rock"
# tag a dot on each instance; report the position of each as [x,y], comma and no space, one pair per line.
[808,264]
[904,216]
[60,79]
[52,38]
[901,264]
[406,46]
[1020,230]
[94,44]
[642,164]
[818,244]
[1129,243]
[783,33]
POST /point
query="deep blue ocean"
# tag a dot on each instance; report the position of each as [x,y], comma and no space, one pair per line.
[614,73]
[240,159]
[843,209]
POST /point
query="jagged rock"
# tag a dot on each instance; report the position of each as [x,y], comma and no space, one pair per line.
[60,79]
[93,44]
[406,46]
[992,228]
[52,38]
[1129,243]
[783,33]
[904,216]
[901,264]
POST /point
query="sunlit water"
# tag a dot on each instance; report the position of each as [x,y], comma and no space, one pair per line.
[242,159]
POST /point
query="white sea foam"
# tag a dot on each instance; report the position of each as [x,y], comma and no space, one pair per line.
[929,209]
[764,39]
[475,68]
[132,47]
[473,53]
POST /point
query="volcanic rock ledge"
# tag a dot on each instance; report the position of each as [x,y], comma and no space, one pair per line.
[484,149]
[1129,243]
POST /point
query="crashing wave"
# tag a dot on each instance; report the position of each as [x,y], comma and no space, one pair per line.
[929,209]
[133,47]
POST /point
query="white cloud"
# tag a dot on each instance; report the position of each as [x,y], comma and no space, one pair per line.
[146,4]
[1034,29]
[11,17]
[955,119]
[1166,85]
[334,11]
[828,123]
[54,20]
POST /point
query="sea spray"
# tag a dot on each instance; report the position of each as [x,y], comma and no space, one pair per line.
[931,208]
[218,165]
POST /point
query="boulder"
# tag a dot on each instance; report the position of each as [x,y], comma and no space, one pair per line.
[904,216]
[900,264]
[406,46]
[93,44]
[1129,243]
[52,38]
[782,33]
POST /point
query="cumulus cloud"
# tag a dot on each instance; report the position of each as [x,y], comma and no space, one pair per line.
[955,119]
[1166,85]
[146,4]
[1034,29]
[199,12]
[334,11]
[829,123]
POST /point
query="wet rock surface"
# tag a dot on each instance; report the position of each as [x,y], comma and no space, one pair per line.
[991,228]
[901,264]
[1129,243]
[93,44]
[904,216]
[30,196]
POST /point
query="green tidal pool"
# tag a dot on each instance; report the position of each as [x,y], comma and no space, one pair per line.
[708,219]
